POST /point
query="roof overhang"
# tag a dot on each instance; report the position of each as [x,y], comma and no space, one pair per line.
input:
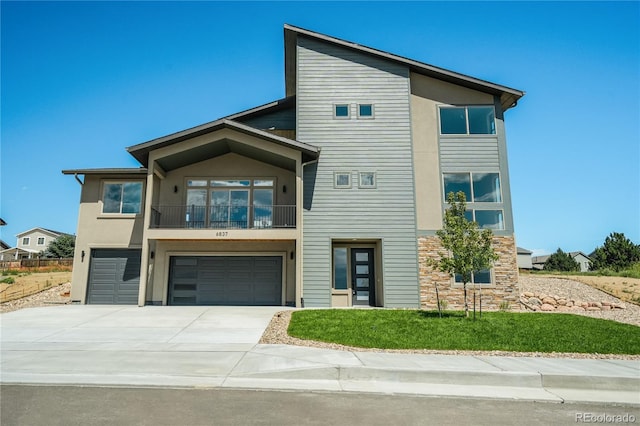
[220,146]
[107,171]
[508,96]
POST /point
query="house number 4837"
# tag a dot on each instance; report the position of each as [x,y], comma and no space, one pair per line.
[222,234]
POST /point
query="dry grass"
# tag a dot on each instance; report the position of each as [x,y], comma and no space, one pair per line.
[627,289]
[30,283]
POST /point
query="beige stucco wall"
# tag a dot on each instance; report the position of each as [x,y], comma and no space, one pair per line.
[426,94]
[226,166]
[97,230]
[157,289]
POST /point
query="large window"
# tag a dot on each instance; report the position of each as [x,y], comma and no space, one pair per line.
[234,203]
[477,187]
[467,120]
[122,197]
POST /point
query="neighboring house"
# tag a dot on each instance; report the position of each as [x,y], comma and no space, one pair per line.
[583,260]
[3,245]
[330,196]
[30,243]
[524,258]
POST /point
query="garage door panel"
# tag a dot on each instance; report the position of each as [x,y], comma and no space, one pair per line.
[227,280]
[114,276]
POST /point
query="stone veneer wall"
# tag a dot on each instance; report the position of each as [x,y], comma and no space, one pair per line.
[505,274]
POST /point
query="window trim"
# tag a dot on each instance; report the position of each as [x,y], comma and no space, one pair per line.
[335,180]
[341,117]
[466,115]
[375,180]
[366,117]
[44,240]
[28,241]
[120,213]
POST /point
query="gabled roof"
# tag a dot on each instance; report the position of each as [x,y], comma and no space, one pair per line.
[543,259]
[508,96]
[44,230]
[141,151]
[267,108]
[523,251]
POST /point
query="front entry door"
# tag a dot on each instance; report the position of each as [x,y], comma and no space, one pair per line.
[363,277]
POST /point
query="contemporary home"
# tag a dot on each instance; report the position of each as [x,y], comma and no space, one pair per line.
[30,243]
[330,196]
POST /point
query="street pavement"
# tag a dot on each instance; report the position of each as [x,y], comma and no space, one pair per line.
[217,347]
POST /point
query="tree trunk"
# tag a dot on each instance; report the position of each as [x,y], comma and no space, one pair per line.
[466,305]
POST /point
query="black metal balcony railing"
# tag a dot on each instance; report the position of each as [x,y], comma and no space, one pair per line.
[223,217]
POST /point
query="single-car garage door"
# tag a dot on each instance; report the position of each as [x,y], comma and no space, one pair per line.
[225,280]
[114,277]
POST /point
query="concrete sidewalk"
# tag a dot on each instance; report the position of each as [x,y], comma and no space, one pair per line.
[217,347]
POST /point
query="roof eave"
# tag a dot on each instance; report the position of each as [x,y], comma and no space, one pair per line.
[508,96]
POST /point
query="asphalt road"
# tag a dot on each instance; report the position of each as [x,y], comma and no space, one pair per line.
[74,405]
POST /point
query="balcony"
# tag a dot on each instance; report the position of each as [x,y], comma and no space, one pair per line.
[223,217]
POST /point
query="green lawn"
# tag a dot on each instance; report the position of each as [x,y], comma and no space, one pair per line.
[503,331]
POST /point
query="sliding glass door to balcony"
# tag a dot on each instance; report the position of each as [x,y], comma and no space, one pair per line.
[229,208]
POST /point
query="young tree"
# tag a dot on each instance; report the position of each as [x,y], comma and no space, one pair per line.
[63,246]
[617,253]
[468,247]
[561,261]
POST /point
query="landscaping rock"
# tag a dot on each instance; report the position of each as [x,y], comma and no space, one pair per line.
[546,307]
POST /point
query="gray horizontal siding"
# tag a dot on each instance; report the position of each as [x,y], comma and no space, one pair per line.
[328,75]
[469,155]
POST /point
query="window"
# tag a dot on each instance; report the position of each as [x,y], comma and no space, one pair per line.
[230,203]
[480,277]
[340,278]
[365,110]
[490,219]
[122,197]
[467,120]
[341,110]
[26,241]
[367,180]
[40,241]
[477,187]
[342,180]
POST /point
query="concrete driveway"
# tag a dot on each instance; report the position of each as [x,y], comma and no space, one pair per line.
[153,326]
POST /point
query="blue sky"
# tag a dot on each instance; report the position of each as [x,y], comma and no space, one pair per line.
[82,81]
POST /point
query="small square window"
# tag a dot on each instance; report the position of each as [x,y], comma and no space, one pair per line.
[342,180]
[40,241]
[341,110]
[26,241]
[365,110]
[367,180]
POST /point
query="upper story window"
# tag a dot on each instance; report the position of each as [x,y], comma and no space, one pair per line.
[477,187]
[122,197]
[26,241]
[40,241]
[342,180]
[468,120]
[341,110]
[367,180]
[365,110]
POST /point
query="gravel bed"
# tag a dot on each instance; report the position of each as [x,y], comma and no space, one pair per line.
[52,296]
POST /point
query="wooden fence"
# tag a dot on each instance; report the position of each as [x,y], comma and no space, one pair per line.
[34,263]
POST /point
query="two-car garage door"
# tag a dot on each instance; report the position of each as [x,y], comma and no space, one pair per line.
[225,280]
